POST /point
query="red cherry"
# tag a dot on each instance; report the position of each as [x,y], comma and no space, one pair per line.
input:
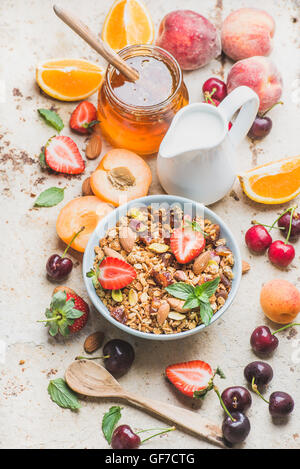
[281,254]
[258,239]
[263,341]
[216,88]
[124,438]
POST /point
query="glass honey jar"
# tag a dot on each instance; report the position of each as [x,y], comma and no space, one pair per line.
[137,115]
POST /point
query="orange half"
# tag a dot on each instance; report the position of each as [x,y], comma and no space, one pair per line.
[128,22]
[273,183]
[69,79]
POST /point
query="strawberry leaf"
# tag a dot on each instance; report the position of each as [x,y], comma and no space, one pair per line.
[109,421]
[50,197]
[52,118]
[62,395]
[181,290]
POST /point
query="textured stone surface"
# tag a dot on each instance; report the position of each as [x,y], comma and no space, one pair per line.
[30,32]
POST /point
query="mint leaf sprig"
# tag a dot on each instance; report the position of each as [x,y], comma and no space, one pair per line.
[196,296]
[62,395]
[109,422]
[52,118]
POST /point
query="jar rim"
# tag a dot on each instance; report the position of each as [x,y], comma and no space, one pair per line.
[154,107]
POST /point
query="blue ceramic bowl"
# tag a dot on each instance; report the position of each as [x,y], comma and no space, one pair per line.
[111,219]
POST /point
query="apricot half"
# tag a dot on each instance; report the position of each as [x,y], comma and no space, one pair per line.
[280,301]
[121,176]
[82,211]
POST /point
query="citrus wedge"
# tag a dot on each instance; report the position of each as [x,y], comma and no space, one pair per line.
[128,22]
[273,183]
[69,79]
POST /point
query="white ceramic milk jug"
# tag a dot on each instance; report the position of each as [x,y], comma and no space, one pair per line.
[196,158]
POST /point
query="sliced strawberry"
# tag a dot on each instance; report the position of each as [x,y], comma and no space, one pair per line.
[80,305]
[186,244]
[189,377]
[63,156]
[115,273]
[82,116]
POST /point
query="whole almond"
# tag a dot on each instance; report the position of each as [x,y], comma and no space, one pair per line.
[65,289]
[94,147]
[127,238]
[93,342]
[177,305]
[86,187]
[163,312]
[109,252]
[245,267]
[200,263]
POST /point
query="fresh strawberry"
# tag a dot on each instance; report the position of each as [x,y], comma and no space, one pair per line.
[186,244]
[62,155]
[68,312]
[190,377]
[83,117]
[114,273]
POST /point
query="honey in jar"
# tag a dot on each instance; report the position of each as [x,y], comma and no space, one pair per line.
[136,115]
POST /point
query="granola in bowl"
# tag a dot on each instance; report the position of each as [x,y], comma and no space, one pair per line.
[181,270]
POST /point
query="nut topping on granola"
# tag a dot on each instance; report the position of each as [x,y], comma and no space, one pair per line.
[119,314]
[177,305]
[127,238]
[163,312]
[112,253]
[201,262]
[162,278]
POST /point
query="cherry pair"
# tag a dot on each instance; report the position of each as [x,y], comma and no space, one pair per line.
[280,253]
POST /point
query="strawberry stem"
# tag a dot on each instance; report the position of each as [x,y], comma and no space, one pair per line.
[171,429]
[269,109]
[72,240]
[254,388]
[286,327]
[222,403]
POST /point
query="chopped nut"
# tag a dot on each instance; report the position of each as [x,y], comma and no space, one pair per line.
[201,262]
[117,296]
[163,312]
[162,278]
[93,342]
[176,316]
[180,276]
[132,297]
[159,248]
[245,267]
[177,305]
[112,253]
[119,314]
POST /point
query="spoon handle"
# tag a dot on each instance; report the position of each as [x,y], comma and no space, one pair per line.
[186,419]
[100,46]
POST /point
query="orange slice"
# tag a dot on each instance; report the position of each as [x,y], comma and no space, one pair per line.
[83,211]
[69,79]
[273,183]
[128,22]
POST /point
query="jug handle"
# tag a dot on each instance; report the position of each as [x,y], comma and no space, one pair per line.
[245,99]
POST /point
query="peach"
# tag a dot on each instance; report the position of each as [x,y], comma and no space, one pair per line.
[260,74]
[190,37]
[280,301]
[83,211]
[121,176]
[247,32]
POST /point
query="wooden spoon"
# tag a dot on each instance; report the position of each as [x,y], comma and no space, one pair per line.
[88,378]
[100,46]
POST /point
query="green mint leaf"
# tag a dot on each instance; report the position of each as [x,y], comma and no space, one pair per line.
[191,302]
[180,290]
[52,118]
[50,197]
[62,395]
[206,313]
[109,421]
[220,373]
[58,300]
[209,288]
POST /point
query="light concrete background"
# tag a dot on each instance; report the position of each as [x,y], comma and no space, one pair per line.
[29,33]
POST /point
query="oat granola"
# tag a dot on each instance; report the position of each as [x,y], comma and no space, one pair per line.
[145,304]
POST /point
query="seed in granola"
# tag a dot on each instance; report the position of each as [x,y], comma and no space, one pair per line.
[132,297]
[119,314]
[159,248]
[176,316]
[112,253]
[163,278]
[137,226]
[223,250]
[117,296]
[155,304]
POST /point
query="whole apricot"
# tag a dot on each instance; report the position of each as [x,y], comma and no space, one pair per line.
[247,32]
[191,38]
[280,301]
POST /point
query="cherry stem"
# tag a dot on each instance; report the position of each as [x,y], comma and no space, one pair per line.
[254,388]
[72,240]
[266,112]
[281,215]
[150,430]
[222,404]
[286,327]
[171,429]
[91,358]
[290,226]
[255,222]
[208,96]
